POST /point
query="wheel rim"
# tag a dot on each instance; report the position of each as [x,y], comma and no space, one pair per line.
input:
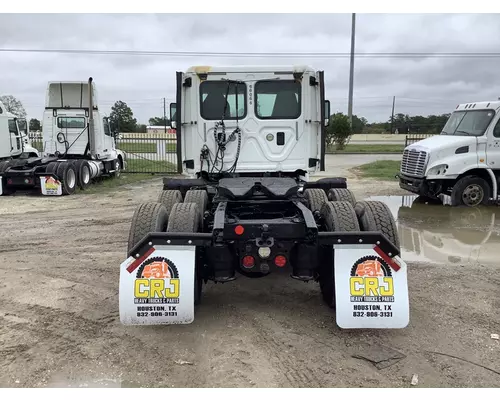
[71,178]
[117,168]
[85,175]
[473,195]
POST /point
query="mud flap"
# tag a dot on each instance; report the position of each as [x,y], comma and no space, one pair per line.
[50,185]
[158,288]
[371,288]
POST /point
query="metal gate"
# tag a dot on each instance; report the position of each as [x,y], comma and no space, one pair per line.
[416,137]
[149,155]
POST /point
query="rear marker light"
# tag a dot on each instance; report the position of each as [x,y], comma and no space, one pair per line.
[280,261]
[248,261]
[239,230]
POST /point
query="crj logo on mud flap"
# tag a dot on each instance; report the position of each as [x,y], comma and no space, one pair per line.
[371,281]
[157,281]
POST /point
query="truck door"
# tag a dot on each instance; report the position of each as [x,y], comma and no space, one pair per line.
[281,111]
[493,145]
[15,138]
[268,108]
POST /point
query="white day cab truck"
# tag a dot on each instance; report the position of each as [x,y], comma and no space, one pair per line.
[15,146]
[463,162]
[248,141]
[78,145]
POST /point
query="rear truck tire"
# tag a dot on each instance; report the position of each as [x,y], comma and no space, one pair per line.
[83,173]
[66,172]
[184,217]
[148,217]
[338,216]
[4,165]
[376,216]
[470,191]
[170,197]
[200,198]
[315,199]
[52,167]
[117,166]
[342,195]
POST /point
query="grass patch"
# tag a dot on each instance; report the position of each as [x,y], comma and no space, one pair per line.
[137,147]
[149,166]
[106,184]
[171,147]
[369,148]
[129,147]
[381,170]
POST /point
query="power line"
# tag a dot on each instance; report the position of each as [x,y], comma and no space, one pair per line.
[250,55]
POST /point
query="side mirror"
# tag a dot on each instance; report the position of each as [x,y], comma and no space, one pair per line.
[173,115]
[327,112]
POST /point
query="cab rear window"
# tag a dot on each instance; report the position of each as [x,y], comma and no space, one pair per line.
[277,99]
[71,122]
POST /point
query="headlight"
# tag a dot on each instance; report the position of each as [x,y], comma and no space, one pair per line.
[438,170]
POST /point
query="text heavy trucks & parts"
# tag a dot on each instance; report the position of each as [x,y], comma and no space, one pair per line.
[248,139]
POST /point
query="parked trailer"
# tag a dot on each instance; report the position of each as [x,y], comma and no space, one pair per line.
[78,145]
[246,206]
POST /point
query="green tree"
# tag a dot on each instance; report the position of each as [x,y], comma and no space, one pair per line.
[358,124]
[35,125]
[339,130]
[158,121]
[141,128]
[13,105]
[122,118]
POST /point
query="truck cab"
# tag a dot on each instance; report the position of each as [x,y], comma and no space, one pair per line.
[265,120]
[14,142]
[462,162]
[65,127]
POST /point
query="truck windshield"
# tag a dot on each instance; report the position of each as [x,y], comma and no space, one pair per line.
[23,126]
[468,123]
[215,94]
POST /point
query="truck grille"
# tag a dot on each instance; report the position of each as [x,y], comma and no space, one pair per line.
[414,163]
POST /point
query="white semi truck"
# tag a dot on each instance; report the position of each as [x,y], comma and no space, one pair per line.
[462,162]
[14,140]
[248,139]
[77,145]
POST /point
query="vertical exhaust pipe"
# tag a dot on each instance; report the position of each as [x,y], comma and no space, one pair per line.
[91,129]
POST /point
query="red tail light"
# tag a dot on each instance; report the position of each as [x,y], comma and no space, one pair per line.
[239,230]
[248,261]
[280,261]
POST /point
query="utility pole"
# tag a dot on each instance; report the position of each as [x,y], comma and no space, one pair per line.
[392,116]
[351,75]
[165,114]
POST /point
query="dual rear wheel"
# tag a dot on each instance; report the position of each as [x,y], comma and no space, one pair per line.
[171,213]
[340,212]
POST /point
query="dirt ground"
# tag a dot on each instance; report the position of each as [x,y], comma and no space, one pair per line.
[59,322]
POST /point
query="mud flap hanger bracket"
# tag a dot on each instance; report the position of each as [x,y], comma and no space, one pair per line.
[377,239]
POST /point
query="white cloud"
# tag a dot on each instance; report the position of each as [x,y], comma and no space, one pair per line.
[421,86]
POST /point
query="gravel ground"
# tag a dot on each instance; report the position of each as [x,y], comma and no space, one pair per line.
[60,326]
